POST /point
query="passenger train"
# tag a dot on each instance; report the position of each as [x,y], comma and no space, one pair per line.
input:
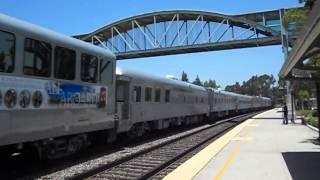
[58,94]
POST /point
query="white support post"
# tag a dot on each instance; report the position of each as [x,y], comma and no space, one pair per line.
[209,31]
[123,39]
[116,49]
[134,34]
[96,38]
[176,35]
[155,30]
[232,32]
[146,37]
[134,43]
[191,29]
[112,40]
[214,32]
[166,29]
[224,31]
[178,29]
[199,34]
[152,35]
[203,26]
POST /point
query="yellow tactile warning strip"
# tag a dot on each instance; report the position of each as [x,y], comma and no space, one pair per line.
[192,166]
[234,153]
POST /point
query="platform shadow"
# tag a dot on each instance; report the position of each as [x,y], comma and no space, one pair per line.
[314,141]
[303,165]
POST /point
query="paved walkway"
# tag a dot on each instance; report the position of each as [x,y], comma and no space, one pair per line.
[262,148]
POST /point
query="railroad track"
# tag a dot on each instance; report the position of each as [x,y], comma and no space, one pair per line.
[150,162]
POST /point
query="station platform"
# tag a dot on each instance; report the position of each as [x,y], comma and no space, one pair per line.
[259,148]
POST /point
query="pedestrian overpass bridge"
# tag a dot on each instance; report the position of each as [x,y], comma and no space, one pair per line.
[186,31]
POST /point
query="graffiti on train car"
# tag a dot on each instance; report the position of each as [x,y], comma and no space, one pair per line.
[24,93]
[67,93]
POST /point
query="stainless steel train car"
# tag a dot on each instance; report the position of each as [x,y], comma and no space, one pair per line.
[52,85]
[146,102]
[57,94]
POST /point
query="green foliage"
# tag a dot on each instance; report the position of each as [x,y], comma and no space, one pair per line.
[211,84]
[255,86]
[184,77]
[197,81]
[315,60]
[208,84]
[310,117]
[234,88]
[296,16]
[303,93]
[302,89]
[312,120]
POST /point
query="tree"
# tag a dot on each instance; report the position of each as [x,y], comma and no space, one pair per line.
[296,16]
[236,88]
[197,81]
[302,90]
[211,84]
[184,77]
[263,85]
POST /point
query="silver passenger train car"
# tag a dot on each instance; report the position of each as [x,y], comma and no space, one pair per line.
[57,94]
[147,102]
[52,85]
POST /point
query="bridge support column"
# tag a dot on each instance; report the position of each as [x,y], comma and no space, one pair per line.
[289,99]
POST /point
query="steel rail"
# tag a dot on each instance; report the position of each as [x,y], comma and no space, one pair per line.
[159,166]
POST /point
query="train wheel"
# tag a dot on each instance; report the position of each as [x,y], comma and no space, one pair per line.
[138,130]
[74,145]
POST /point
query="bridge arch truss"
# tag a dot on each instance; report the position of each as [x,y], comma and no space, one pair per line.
[183,31]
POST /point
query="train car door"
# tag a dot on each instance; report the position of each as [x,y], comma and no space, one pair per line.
[210,100]
[122,98]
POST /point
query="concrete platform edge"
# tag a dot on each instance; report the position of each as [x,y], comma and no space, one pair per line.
[191,167]
[311,127]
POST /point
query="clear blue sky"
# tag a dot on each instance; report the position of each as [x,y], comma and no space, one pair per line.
[226,67]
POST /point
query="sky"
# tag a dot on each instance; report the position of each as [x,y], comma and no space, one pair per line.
[226,67]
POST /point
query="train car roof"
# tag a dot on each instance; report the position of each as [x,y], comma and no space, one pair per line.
[238,95]
[232,94]
[157,79]
[46,34]
[149,77]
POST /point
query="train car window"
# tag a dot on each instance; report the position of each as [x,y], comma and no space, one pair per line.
[167,96]
[106,72]
[196,99]
[37,58]
[157,96]
[65,63]
[148,94]
[137,93]
[7,51]
[89,68]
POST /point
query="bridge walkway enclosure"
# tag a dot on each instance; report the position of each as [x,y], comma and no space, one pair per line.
[186,31]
